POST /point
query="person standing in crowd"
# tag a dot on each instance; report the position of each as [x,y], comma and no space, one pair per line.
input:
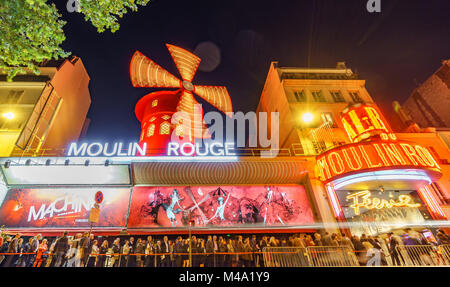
[26,250]
[359,249]
[149,250]
[177,250]
[334,241]
[40,257]
[34,249]
[73,254]
[194,249]
[116,252]
[247,257]
[93,255]
[102,257]
[13,246]
[140,249]
[60,250]
[131,257]
[392,247]
[309,242]
[231,258]
[442,238]
[255,250]
[222,257]
[209,258]
[124,254]
[345,241]
[326,240]
[165,248]
[172,258]
[185,256]
[158,250]
[83,248]
[317,239]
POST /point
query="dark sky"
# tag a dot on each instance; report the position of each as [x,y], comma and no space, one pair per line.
[392,50]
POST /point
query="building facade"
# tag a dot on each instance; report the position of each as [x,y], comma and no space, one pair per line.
[44,112]
[428,103]
[340,167]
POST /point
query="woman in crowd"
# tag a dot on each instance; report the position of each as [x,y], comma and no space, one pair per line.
[102,257]
[116,252]
[140,249]
[185,256]
[40,257]
[231,259]
[247,257]
[124,254]
[93,255]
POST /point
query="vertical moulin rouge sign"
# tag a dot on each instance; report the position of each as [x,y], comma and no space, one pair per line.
[68,207]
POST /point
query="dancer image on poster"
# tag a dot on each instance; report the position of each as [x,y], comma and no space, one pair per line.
[270,207]
[170,208]
[221,208]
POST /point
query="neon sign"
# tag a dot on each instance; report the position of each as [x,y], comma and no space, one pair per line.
[365,121]
[372,156]
[209,149]
[364,199]
[105,149]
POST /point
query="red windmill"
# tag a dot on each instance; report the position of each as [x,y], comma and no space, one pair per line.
[155,110]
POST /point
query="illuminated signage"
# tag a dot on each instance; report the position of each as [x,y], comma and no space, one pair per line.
[372,156]
[364,199]
[207,149]
[365,121]
[106,149]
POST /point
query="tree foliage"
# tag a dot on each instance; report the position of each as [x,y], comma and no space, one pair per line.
[104,14]
[31,31]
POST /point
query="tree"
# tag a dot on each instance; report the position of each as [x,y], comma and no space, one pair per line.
[31,31]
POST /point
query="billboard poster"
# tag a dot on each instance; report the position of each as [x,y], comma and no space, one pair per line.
[63,207]
[219,206]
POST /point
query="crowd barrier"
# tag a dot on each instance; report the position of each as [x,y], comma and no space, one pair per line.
[317,256]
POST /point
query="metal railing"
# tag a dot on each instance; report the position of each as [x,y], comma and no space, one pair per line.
[424,255]
[285,257]
[331,256]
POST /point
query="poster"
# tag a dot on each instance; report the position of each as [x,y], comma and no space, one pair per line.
[63,207]
[219,206]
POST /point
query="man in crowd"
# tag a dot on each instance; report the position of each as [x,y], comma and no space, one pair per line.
[392,247]
[60,250]
[165,248]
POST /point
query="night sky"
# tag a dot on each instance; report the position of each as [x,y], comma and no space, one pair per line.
[393,50]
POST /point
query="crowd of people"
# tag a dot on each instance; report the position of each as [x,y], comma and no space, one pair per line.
[89,250]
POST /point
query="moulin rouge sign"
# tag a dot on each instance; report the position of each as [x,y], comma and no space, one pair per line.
[374,155]
[379,149]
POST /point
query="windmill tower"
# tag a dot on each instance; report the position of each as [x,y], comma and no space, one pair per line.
[155,110]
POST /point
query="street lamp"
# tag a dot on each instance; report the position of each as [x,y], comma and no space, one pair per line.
[8,115]
[307,117]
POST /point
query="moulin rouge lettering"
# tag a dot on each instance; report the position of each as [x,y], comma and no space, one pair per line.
[364,199]
[372,156]
[64,205]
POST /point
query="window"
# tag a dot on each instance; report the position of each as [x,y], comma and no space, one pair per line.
[152,119]
[328,118]
[151,130]
[337,96]
[154,103]
[318,96]
[355,97]
[165,117]
[164,129]
[300,96]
